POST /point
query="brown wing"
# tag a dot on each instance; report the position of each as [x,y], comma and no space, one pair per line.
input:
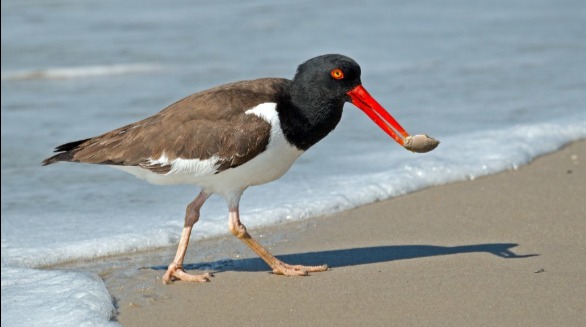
[205,124]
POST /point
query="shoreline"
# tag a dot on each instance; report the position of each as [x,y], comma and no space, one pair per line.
[503,249]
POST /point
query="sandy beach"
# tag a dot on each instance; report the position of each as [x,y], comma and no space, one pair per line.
[502,250]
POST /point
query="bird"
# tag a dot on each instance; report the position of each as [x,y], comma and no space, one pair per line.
[233,136]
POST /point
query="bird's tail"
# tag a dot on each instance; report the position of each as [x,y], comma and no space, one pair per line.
[64,152]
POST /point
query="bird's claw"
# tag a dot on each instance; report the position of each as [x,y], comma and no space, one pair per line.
[297,270]
[175,272]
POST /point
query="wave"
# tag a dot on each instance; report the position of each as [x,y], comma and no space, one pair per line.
[79,72]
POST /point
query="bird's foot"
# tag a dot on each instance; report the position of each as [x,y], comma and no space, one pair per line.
[282,268]
[176,272]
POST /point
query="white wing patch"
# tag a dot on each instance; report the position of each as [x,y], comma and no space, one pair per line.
[163,160]
[193,167]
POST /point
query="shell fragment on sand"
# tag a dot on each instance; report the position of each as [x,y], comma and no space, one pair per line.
[420,143]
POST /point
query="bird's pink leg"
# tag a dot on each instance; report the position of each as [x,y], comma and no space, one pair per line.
[278,266]
[175,270]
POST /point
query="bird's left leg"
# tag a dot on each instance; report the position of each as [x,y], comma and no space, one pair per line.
[278,266]
[175,270]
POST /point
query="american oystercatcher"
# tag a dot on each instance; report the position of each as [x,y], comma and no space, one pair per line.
[237,135]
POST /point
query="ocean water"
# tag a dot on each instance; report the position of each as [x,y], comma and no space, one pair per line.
[498,82]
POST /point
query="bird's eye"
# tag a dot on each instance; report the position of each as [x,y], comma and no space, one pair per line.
[337,73]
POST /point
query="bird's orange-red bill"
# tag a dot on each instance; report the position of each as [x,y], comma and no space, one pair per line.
[361,99]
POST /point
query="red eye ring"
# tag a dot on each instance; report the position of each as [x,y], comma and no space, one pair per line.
[337,73]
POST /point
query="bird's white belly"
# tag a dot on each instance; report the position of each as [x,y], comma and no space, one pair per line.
[267,166]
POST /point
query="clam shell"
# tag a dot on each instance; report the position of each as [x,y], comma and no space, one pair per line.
[420,143]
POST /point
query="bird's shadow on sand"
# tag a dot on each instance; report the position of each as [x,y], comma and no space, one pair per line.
[357,256]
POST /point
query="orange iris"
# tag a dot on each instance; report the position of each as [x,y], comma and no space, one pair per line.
[337,73]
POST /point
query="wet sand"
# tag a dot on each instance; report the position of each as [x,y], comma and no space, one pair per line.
[503,250]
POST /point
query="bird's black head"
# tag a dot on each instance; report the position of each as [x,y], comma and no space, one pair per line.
[316,97]
[328,77]
[313,101]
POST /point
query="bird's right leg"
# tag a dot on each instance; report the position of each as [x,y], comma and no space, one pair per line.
[175,270]
[278,266]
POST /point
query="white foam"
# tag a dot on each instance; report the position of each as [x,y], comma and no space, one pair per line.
[54,298]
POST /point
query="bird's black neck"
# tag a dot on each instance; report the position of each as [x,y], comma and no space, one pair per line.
[306,116]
